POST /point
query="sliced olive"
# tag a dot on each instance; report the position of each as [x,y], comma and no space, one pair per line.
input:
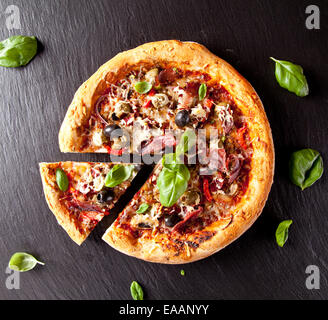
[171,220]
[112,130]
[105,196]
[190,197]
[182,118]
[144,225]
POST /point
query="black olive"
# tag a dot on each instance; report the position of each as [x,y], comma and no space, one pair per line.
[171,220]
[114,117]
[112,131]
[182,118]
[105,196]
[144,225]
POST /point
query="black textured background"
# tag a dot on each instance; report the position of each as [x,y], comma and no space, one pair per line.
[79,36]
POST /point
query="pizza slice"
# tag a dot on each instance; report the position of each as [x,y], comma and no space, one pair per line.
[80,194]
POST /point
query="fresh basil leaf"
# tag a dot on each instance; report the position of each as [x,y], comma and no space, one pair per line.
[143,208]
[62,180]
[282,232]
[172,184]
[202,91]
[136,291]
[182,272]
[305,167]
[17,51]
[170,161]
[117,175]
[290,76]
[187,141]
[21,261]
[143,87]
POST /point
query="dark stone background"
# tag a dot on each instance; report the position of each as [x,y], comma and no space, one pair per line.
[79,36]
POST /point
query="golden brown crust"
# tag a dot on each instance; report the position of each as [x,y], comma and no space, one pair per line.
[62,214]
[194,57]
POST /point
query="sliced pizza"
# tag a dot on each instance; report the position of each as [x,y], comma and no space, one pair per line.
[80,194]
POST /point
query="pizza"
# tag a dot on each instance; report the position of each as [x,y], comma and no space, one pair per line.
[178,100]
[77,192]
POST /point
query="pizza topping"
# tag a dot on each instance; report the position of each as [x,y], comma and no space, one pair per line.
[171,220]
[62,180]
[206,188]
[158,144]
[143,87]
[191,197]
[159,100]
[188,216]
[167,76]
[182,118]
[112,130]
[105,196]
[121,109]
[118,174]
[143,208]
[202,91]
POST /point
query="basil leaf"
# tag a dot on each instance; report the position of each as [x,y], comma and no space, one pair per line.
[182,272]
[21,261]
[187,141]
[62,180]
[17,51]
[143,208]
[172,184]
[170,161]
[117,175]
[202,91]
[282,232]
[143,87]
[290,76]
[305,167]
[136,291]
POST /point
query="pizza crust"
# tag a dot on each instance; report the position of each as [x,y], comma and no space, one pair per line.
[189,56]
[61,213]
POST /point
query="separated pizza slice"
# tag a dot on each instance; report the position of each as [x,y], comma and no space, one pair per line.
[80,194]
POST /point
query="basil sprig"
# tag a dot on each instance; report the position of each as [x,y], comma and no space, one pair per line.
[202,91]
[142,208]
[290,76]
[305,167]
[136,291]
[172,183]
[117,175]
[143,87]
[21,261]
[282,232]
[62,180]
[17,51]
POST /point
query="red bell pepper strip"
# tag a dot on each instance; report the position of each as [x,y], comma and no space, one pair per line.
[241,137]
[206,189]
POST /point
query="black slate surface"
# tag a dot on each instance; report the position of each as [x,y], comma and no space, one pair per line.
[79,36]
